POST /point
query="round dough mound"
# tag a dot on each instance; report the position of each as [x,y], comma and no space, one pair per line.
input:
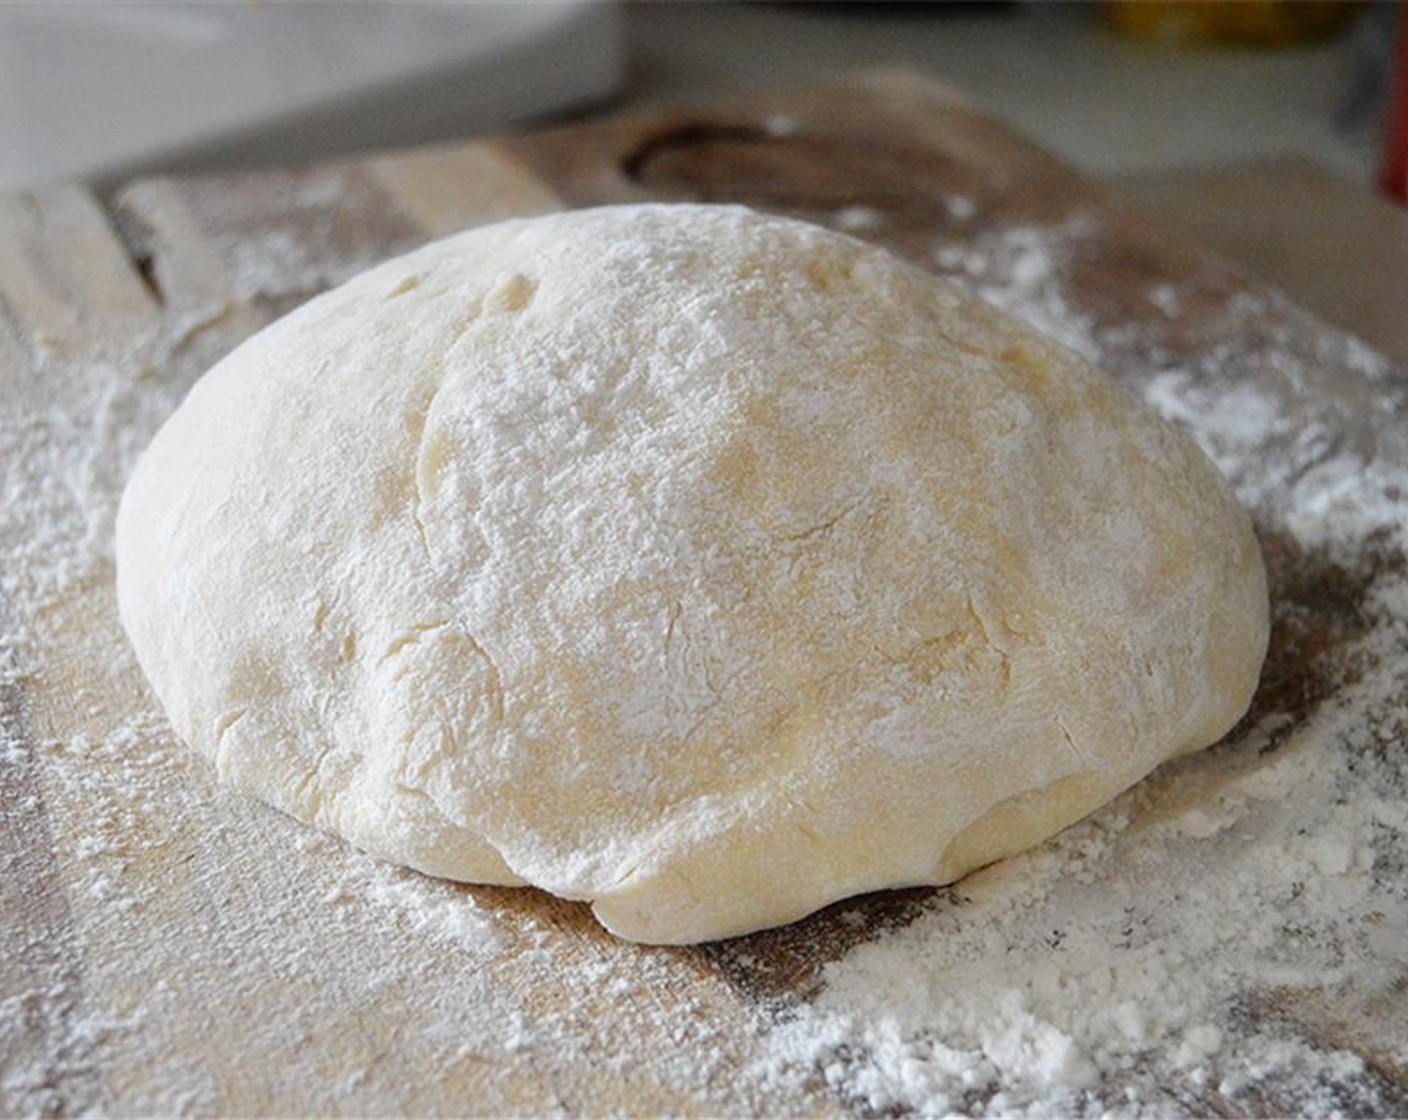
[703,564]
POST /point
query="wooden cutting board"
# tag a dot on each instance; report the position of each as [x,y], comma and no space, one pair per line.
[166,946]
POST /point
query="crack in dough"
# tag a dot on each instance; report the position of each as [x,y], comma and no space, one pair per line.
[410,637]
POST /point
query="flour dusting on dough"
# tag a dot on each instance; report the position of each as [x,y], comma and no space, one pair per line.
[716,566]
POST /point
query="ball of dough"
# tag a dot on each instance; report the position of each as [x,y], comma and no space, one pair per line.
[703,564]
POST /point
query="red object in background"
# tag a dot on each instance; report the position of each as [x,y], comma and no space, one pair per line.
[1394,177]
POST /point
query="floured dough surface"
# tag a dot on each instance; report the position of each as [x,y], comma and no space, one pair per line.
[706,565]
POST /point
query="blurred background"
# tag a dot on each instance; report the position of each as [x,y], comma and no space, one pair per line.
[95,89]
[1253,126]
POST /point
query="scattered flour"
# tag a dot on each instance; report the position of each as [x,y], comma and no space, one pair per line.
[779,124]
[1218,932]
[960,207]
[857,219]
[1020,269]
[1167,298]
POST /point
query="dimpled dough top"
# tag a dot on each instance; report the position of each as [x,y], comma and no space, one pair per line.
[704,564]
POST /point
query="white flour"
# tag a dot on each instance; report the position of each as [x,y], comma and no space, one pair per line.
[1204,934]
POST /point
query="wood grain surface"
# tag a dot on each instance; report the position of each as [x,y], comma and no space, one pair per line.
[167,947]
[1327,241]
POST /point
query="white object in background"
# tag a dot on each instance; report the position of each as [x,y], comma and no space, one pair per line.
[89,90]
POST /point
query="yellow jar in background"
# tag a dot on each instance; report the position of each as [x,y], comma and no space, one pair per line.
[1267,23]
